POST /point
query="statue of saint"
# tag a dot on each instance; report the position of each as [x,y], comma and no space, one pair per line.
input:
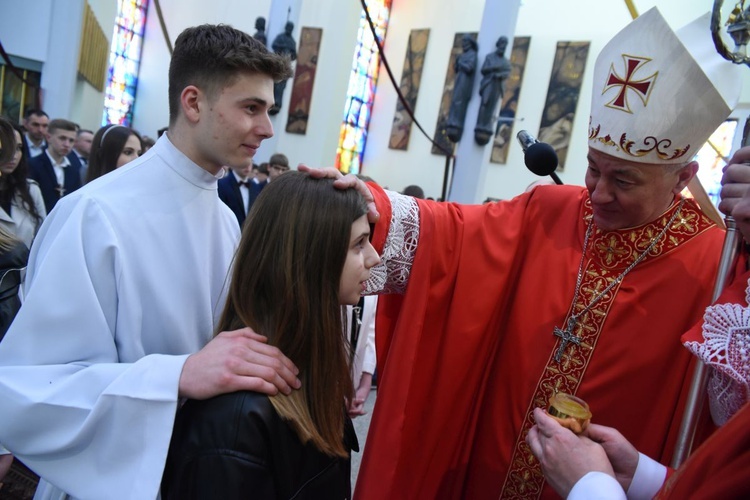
[285,45]
[260,30]
[465,67]
[495,71]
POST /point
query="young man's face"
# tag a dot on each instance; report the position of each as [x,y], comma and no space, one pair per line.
[275,170]
[83,143]
[60,143]
[36,126]
[233,123]
[244,171]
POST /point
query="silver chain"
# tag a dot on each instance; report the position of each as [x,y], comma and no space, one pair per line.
[654,241]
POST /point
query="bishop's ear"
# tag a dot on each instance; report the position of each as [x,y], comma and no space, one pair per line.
[684,175]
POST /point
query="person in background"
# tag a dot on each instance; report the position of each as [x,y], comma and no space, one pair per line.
[57,173]
[238,192]
[113,147]
[21,204]
[303,243]
[147,143]
[278,164]
[414,191]
[36,125]
[360,329]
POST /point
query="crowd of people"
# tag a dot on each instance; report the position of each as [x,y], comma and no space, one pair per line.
[233,362]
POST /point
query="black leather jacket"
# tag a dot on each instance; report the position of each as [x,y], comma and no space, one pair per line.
[236,446]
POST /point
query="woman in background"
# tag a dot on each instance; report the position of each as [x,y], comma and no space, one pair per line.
[304,253]
[113,146]
[21,204]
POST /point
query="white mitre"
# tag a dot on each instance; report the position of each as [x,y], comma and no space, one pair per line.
[659,95]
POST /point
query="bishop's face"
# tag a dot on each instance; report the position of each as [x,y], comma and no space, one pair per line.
[627,194]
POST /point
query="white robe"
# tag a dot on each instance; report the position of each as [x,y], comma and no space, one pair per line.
[126,279]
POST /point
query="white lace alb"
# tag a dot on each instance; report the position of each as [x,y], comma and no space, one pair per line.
[391,275]
[726,349]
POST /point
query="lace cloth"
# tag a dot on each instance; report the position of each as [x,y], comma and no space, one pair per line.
[392,274]
[726,349]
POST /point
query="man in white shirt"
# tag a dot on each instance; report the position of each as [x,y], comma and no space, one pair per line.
[126,281]
[36,123]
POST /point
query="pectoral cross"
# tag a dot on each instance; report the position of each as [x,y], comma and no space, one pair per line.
[61,190]
[566,337]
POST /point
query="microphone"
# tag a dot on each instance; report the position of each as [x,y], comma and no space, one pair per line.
[539,157]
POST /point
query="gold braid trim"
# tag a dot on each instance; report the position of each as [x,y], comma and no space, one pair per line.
[610,253]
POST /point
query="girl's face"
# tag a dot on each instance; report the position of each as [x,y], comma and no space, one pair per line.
[9,167]
[360,257]
[130,151]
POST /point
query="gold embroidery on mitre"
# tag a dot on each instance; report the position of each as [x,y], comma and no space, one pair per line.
[650,144]
[610,254]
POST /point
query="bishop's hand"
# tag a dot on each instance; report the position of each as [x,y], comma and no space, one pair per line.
[736,181]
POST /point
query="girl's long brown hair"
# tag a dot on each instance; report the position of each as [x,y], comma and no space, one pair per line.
[285,284]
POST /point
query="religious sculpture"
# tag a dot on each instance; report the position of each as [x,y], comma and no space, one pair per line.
[260,30]
[495,71]
[465,67]
[284,45]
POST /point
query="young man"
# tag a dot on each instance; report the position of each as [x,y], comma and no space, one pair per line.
[278,164]
[81,151]
[125,285]
[236,190]
[57,172]
[584,291]
[603,464]
[36,123]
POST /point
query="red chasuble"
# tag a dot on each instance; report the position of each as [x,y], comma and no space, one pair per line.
[468,352]
[718,469]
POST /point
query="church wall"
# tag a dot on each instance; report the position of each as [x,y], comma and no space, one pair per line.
[88,102]
[547,22]
[417,165]
[27,30]
[339,22]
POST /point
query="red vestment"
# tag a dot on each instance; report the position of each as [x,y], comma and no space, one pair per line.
[467,352]
[720,468]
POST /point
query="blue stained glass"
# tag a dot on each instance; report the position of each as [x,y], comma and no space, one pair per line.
[361,89]
[124,61]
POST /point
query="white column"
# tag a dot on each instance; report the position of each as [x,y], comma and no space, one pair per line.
[499,19]
[60,70]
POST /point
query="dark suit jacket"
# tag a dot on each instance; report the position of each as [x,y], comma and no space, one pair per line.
[229,192]
[41,170]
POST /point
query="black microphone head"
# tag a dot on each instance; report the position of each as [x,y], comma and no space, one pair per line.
[541,158]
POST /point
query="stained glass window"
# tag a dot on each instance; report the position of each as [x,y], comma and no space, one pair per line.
[361,91]
[711,158]
[124,60]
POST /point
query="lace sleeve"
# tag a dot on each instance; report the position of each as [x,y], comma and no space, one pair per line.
[726,349]
[392,274]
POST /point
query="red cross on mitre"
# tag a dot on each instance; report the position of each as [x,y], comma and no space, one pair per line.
[642,87]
